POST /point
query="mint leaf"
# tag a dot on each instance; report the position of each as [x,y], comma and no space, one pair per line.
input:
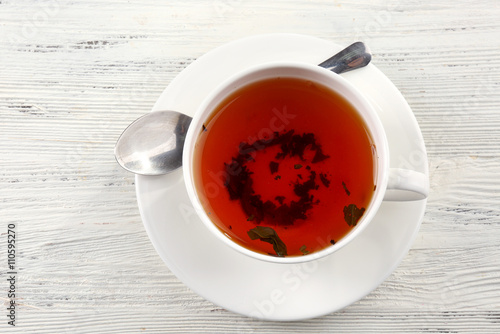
[352,214]
[269,235]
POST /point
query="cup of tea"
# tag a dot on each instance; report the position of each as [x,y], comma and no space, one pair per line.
[288,162]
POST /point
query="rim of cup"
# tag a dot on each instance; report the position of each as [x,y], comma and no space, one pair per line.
[295,70]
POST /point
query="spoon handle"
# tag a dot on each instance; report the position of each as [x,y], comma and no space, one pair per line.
[354,56]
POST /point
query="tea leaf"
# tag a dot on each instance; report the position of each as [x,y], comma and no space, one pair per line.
[239,182]
[319,156]
[280,199]
[273,166]
[268,235]
[352,214]
[304,250]
[345,188]
[324,180]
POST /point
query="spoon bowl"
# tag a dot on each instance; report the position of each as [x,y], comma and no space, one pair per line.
[153,144]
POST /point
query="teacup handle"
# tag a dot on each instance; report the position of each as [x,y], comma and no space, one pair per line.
[406,185]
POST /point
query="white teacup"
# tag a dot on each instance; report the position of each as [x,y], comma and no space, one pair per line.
[412,185]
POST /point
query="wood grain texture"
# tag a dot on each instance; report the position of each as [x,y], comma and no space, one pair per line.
[74,74]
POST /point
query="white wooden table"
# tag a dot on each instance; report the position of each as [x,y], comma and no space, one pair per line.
[74,74]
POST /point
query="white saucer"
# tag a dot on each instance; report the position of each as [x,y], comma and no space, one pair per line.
[260,289]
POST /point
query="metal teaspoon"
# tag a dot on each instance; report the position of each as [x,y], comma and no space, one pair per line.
[153,144]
